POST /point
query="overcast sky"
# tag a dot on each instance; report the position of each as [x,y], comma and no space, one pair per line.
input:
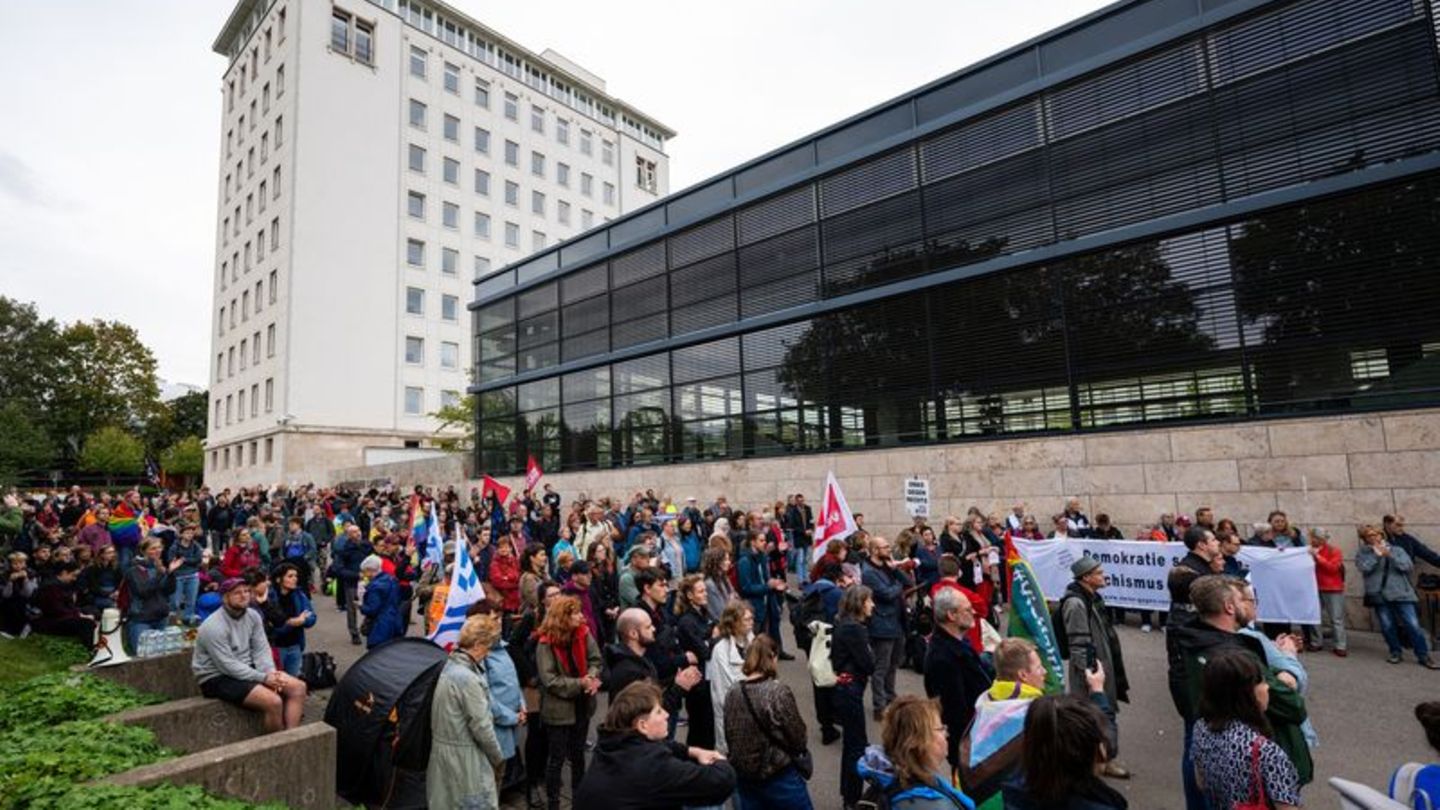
[110,119]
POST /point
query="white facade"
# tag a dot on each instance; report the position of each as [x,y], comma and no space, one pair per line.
[377,158]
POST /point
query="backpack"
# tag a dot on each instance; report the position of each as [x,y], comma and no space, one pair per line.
[317,670]
[1416,785]
[122,596]
[810,609]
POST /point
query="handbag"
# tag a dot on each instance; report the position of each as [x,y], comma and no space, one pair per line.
[1257,799]
[1378,598]
[822,670]
[803,762]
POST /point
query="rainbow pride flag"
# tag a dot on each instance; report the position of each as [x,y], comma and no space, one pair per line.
[1030,619]
[125,526]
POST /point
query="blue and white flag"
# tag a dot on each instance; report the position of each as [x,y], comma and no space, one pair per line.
[434,541]
[465,590]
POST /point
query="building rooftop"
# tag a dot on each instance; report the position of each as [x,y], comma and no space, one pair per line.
[1106,35]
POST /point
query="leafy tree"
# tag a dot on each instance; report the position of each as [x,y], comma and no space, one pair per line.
[113,452]
[95,373]
[23,444]
[185,457]
[170,422]
[458,416]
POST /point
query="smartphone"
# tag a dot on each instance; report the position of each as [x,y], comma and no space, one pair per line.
[1090,663]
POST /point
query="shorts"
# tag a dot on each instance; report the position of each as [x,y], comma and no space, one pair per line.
[228,689]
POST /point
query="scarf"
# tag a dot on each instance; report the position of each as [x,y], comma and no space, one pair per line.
[571,656]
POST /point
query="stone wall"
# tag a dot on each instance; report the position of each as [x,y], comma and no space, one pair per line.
[1336,472]
[194,724]
[441,471]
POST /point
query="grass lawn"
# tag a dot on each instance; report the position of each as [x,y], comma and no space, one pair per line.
[35,655]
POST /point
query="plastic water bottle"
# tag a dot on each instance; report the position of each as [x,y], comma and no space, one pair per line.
[146,647]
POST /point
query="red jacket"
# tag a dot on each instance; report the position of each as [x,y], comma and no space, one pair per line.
[505,579]
[1329,569]
[237,560]
[978,604]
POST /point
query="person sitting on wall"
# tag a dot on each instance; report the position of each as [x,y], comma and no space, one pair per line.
[232,662]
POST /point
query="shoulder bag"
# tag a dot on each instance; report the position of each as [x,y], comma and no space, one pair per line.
[803,762]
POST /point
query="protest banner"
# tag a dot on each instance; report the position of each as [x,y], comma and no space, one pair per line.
[1136,572]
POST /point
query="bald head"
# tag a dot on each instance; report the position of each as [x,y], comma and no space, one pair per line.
[632,622]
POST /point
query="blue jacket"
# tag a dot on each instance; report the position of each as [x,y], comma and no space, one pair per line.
[285,635]
[754,580]
[693,550]
[888,586]
[382,605]
[830,595]
[506,699]
[875,767]
[348,558]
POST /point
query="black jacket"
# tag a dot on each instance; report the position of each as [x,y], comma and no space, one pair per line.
[666,653]
[954,674]
[850,651]
[693,627]
[623,667]
[630,772]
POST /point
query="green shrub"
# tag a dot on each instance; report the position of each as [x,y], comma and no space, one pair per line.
[37,655]
[61,696]
[158,797]
[40,764]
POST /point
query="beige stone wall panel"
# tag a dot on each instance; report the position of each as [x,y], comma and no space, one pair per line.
[1108,479]
[1304,437]
[1127,448]
[1412,431]
[1295,472]
[1206,444]
[1193,476]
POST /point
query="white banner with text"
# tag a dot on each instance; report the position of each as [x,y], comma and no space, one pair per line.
[1136,572]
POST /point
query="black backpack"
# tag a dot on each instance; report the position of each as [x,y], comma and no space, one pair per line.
[317,670]
[810,609]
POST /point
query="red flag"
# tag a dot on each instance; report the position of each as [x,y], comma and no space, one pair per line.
[532,473]
[490,485]
[834,520]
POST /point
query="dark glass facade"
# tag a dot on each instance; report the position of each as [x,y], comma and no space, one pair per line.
[1239,222]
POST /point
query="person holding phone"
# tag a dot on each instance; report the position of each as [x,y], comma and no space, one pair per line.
[1094,645]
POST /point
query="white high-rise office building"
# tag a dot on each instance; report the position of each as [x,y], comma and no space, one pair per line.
[377,158]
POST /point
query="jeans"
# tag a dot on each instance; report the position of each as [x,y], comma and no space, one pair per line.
[218,542]
[850,711]
[783,791]
[824,708]
[1332,605]
[348,591]
[774,607]
[125,554]
[797,559]
[566,743]
[889,655]
[134,627]
[1394,615]
[291,658]
[182,601]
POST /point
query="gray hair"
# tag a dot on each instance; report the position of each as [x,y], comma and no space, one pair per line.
[371,563]
[1321,532]
[947,601]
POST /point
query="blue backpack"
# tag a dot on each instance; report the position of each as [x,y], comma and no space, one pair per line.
[1417,786]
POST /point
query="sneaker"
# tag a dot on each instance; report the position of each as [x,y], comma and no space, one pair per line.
[1393,659]
[1429,663]
[785,656]
[828,736]
[1339,653]
[354,639]
[1145,628]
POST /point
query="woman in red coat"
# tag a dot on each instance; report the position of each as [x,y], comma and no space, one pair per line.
[505,577]
[241,555]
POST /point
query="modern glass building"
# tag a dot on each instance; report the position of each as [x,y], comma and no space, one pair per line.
[1170,210]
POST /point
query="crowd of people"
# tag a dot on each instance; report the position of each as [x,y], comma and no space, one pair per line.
[675,610]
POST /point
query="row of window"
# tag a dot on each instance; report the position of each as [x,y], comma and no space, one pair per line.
[235,136]
[415,400]
[241,307]
[416,208]
[273,36]
[248,354]
[1284,312]
[245,168]
[415,304]
[352,37]
[234,407]
[220,459]
[415,353]
[417,158]
[471,43]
